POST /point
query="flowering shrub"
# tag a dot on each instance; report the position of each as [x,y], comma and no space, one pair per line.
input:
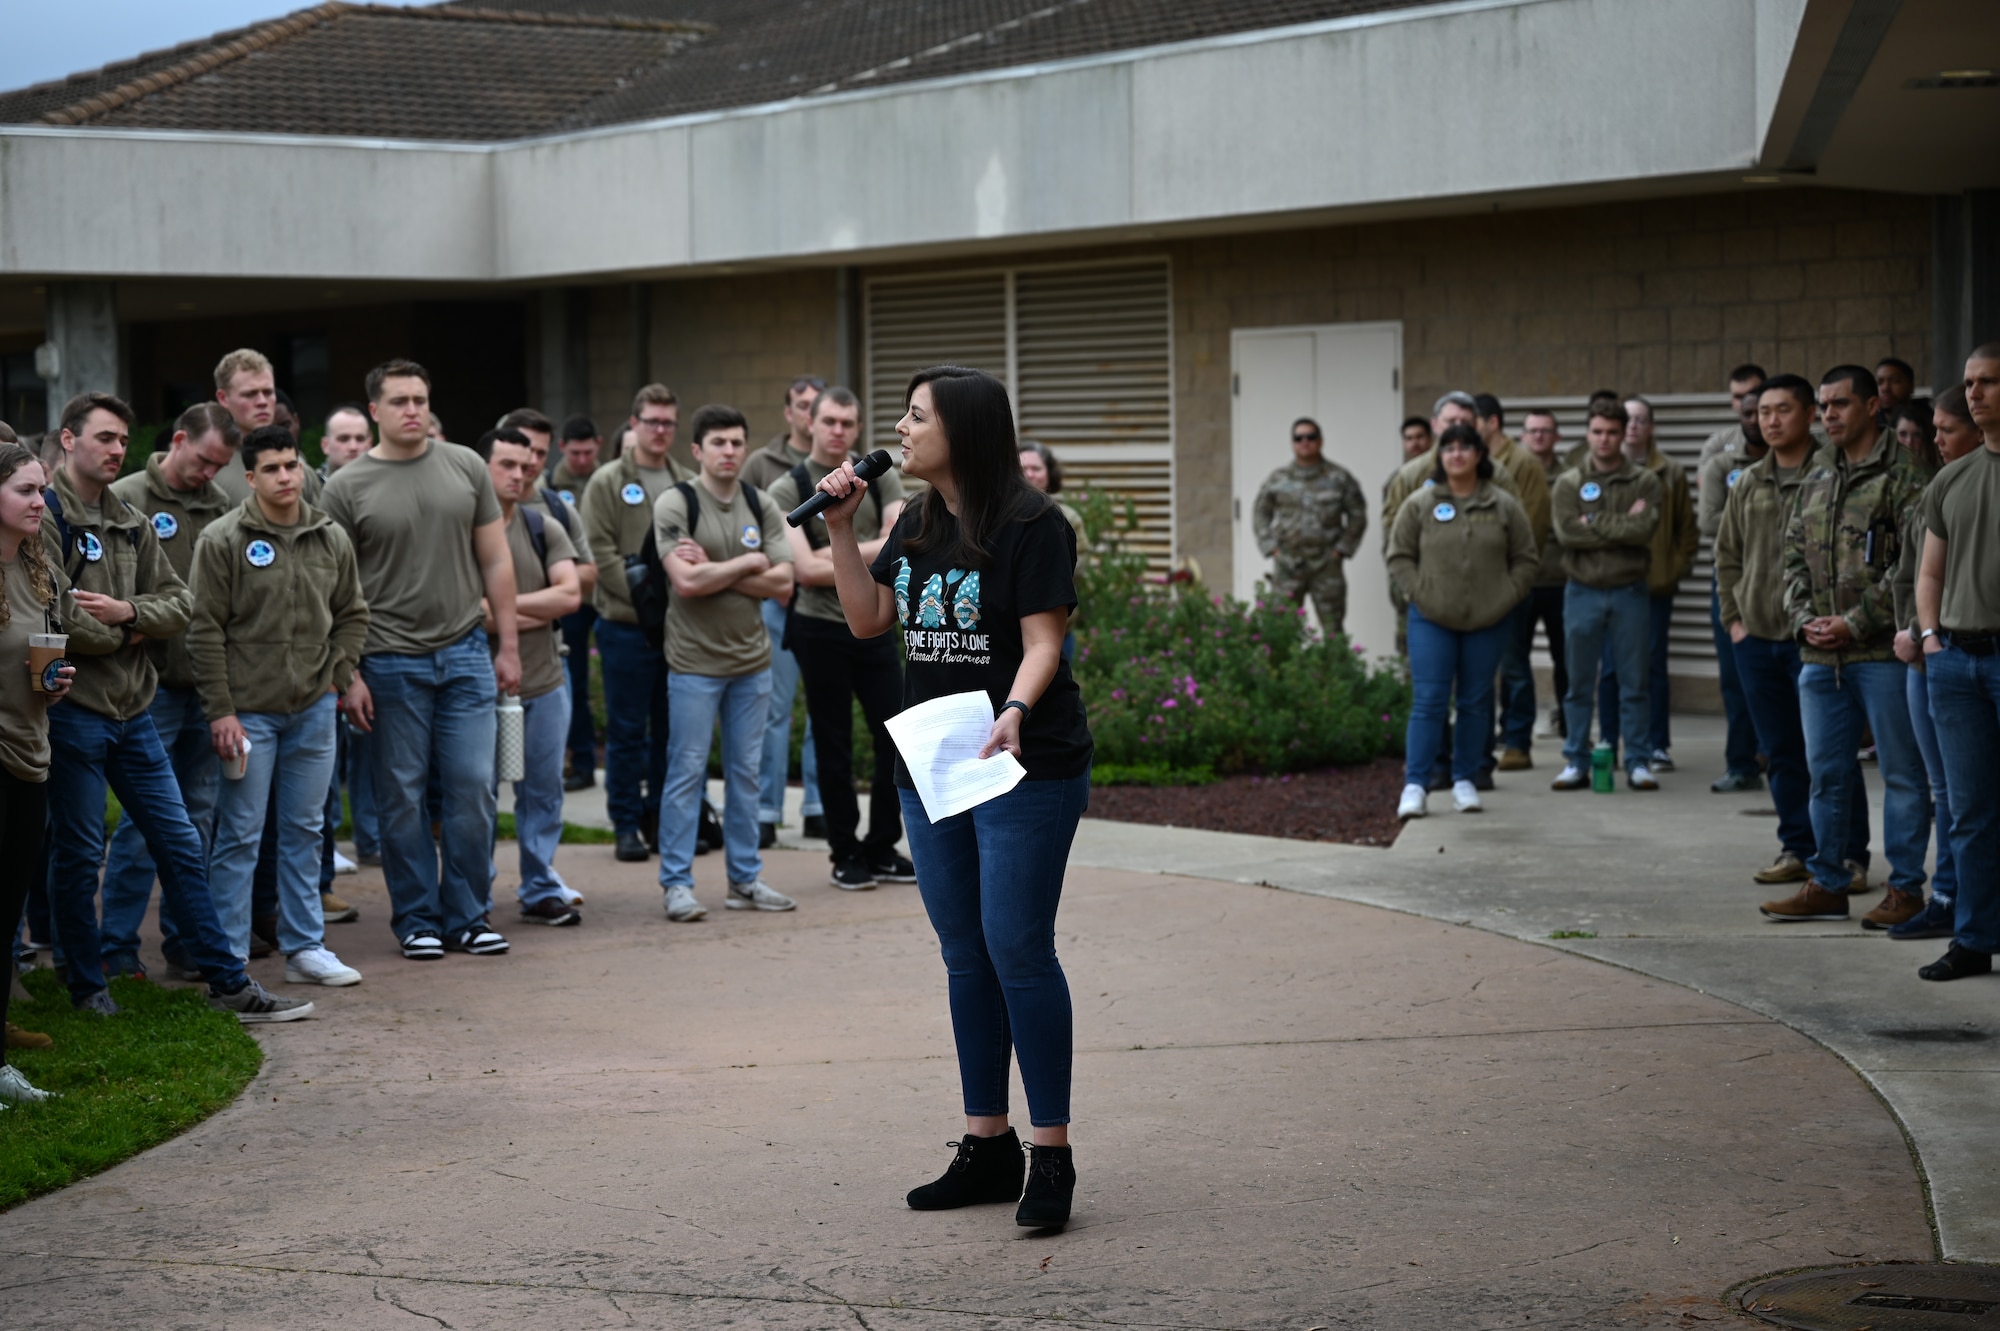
[1175,676]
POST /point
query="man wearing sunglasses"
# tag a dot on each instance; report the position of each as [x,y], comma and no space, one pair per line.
[1309,518]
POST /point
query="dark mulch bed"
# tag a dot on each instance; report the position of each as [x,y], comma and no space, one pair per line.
[1356,805]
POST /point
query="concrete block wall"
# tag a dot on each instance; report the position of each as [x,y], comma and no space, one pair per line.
[1654,297]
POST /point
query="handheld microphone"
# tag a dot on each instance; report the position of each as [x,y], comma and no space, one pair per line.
[867,469]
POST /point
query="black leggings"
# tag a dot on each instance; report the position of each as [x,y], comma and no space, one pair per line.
[838,669]
[24,810]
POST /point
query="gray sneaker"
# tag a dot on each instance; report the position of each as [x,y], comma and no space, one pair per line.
[98,1002]
[253,1002]
[757,896]
[16,1089]
[682,908]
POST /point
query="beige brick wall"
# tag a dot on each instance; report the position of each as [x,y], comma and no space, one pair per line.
[736,340]
[1660,297]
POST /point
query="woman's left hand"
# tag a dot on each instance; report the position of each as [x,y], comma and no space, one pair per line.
[1006,734]
[64,676]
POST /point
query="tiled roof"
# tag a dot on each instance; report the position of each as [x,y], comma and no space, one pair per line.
[507,69]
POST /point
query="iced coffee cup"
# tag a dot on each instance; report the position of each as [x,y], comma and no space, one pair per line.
[45,658]
[235,767]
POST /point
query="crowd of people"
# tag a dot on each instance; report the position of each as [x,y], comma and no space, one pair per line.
[256,649]
[1855,609]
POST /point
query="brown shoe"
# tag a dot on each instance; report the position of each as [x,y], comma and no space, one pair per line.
[1787,868]
[336,911]
[1813,902]
[20,1039]
[1893,909]
[1515,760]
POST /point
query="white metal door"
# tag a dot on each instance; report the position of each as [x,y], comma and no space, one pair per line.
[1348,377]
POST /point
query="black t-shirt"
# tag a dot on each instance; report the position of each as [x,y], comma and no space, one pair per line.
[962,629]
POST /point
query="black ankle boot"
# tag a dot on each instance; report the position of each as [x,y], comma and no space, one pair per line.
[1051,1184]
[986,1169]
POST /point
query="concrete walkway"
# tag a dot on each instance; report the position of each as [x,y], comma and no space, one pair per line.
[1292,1111]
[1663,882]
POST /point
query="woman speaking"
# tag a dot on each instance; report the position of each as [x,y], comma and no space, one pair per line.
[977,573]
[1461,550]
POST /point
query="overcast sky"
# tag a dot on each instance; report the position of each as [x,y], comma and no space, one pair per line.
[46,39]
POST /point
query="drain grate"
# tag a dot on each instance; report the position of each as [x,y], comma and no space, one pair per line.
[1966,1034]
[1881,1298]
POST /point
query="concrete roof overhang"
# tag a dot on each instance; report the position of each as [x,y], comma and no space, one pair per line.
[1458,107]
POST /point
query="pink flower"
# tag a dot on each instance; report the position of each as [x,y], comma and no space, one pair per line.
[1118,695]
[1168,704]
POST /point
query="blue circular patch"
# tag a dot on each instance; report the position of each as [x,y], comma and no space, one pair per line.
[260,554]
[1444,512]
[1590,491]
[568,497]
[1735,475]
[633,493]
[1429,481]
[166,526]
[90,547]
[752,537]
[52,675]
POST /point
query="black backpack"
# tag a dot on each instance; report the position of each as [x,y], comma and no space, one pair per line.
[68,541]
[647,577]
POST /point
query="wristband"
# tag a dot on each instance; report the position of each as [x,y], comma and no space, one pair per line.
[1927,633]
[1015,702]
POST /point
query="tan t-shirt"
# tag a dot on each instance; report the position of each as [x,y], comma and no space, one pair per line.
[1962,508]
[824,602]
[411,523]
[24,717]
[541,657]
[722,634]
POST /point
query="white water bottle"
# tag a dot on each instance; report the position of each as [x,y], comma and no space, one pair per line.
[510,761]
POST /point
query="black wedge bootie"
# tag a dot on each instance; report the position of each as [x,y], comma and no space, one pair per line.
[986,1169]
[1051,1185]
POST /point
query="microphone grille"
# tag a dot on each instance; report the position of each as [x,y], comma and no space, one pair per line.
[874,464]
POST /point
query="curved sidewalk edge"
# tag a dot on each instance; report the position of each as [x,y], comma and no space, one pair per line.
[1660,884]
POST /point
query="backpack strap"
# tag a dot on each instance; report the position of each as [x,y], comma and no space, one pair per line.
[693,505]
[65,541]
[538,533]
[557,507]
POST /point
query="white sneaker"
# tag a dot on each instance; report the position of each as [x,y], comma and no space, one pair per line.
[1641,778]
[682,908]
[1571,777]
[1466,796]
[15,1089]
[316,965]
[343,865]
[1662,761]
[757,896]
[1413,805]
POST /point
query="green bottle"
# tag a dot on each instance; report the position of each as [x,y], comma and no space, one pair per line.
[1603,779]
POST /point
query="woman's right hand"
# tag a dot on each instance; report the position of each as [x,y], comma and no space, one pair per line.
[848,488]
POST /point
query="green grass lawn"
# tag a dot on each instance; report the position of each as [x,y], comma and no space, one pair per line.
[126,1083]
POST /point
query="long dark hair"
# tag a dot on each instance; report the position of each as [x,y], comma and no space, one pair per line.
[978,424]
[1463,434]
[1918,412]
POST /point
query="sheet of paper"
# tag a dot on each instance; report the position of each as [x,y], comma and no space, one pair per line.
[940,742]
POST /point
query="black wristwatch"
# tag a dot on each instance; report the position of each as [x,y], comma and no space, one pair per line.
[1015,702]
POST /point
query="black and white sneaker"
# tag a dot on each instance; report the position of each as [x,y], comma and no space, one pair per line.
[253,1003]
[852,876]
[423,945]
[893,868]
[479,938]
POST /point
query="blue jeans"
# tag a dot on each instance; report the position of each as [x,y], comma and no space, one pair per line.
[538,796]
[1515,716]
[435,712]
[743,703]
[635,722]
[1441,658]
[92,750]
[991,879]
[777,761]
[1659,692]
[290,765]
[1944,882]
[582,740]
[361,792]
[1769,671]
[1601,622]
[1739,747]
[129,874]
[1965,703]
[1834,702]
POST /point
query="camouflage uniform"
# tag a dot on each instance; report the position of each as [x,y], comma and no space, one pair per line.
[1841,545]
[1310,521]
